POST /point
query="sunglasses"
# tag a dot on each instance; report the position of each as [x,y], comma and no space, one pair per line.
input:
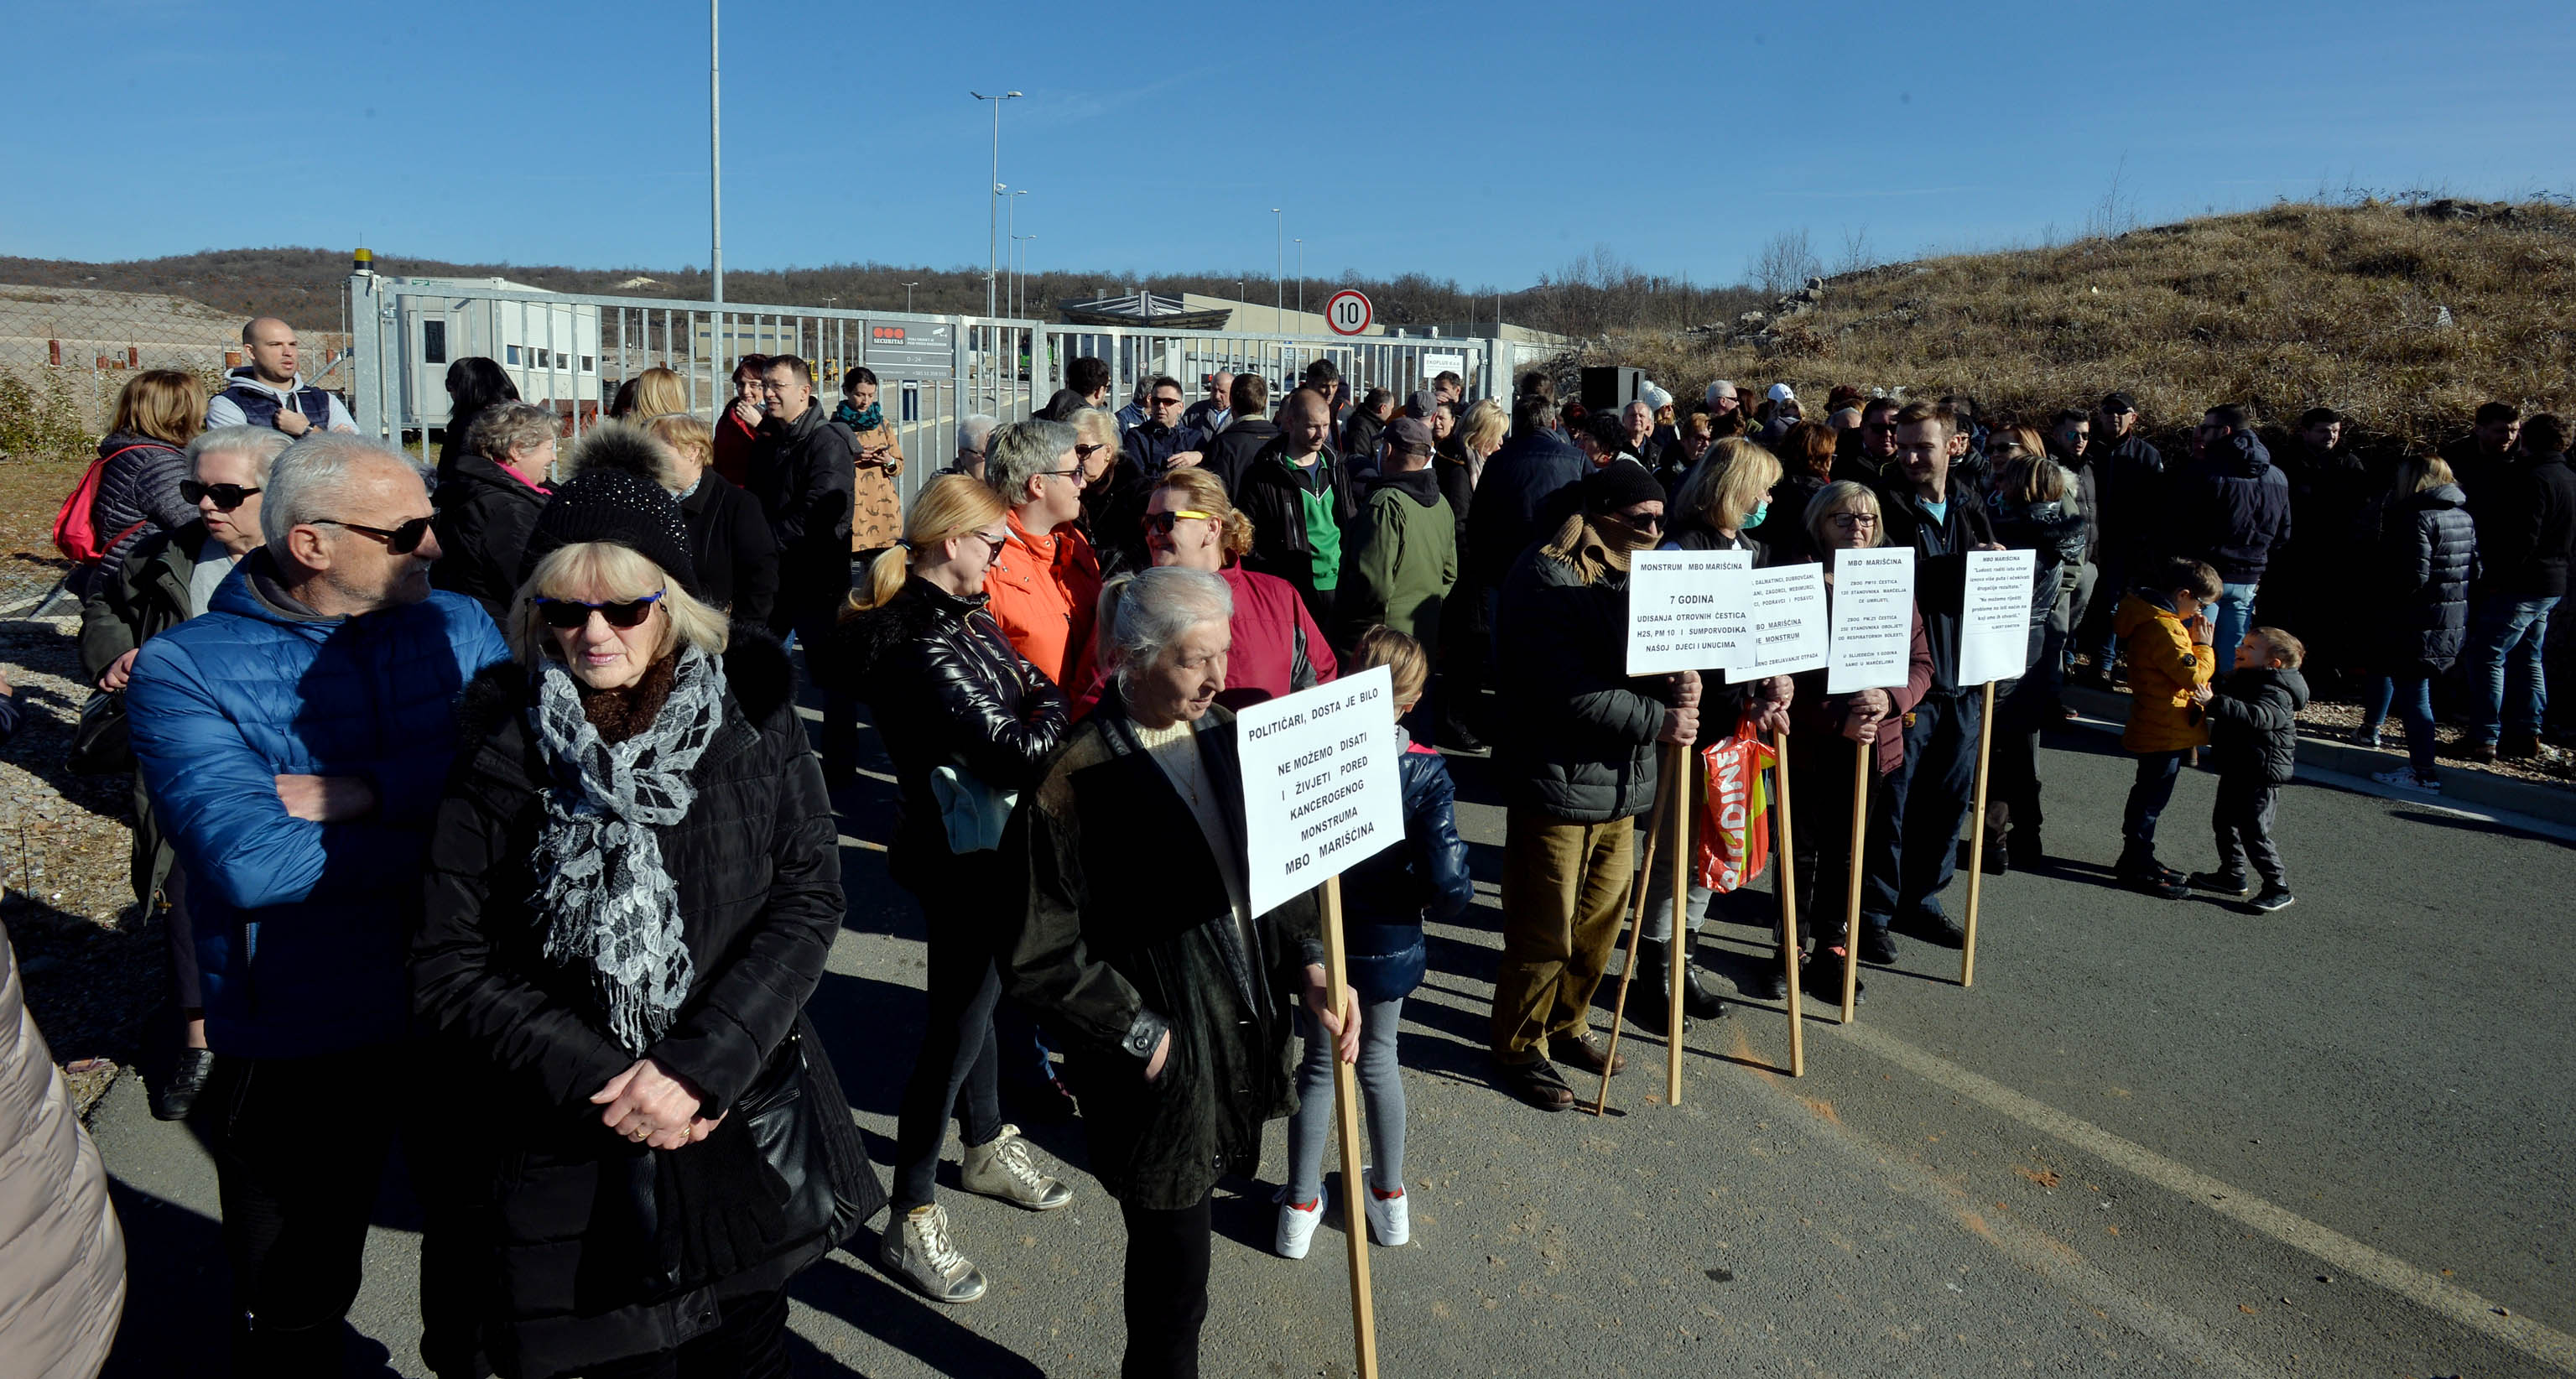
[226,496]
[1085,452]
[402,540]
[1164,521]
[1167,402]
[567,614]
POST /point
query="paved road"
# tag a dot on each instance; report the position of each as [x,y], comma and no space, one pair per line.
[2155,1138]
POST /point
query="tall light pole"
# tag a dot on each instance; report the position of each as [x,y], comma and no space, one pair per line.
[715,157]
[1012,227]
[1278,268]
[1023,274]
[907,296]
[1301,277]
[993,217]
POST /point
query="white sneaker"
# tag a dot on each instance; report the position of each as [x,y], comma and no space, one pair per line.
[2404,778]
[1297,1224]
[1390,1219]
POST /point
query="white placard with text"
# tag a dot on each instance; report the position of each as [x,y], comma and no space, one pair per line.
[1873,623]
[1320,790]
[1685,609]
[1994,624]
[1786,630]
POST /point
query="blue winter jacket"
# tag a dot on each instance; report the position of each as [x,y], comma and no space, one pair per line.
[302,927]
[1388,896]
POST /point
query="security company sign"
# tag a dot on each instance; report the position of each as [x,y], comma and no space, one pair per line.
[1320,791]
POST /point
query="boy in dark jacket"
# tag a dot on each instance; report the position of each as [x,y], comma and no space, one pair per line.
[2254,738]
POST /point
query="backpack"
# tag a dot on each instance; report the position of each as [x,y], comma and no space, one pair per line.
[75,534]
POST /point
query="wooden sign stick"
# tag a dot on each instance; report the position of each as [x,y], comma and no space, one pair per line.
[1861,762]
[1684,767]
[1346,1124]
[1787,886]
[1636,931]
[1977,840]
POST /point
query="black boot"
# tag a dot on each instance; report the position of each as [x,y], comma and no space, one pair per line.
[174,1098]
[1698,1001]
[1650,990]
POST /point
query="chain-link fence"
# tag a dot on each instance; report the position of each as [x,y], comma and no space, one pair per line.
[66,352]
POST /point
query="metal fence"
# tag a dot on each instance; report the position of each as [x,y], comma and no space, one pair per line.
[572,352]
[66,353]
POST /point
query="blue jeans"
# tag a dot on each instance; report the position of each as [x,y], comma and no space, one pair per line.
[1921,806]
[2505,638]
[2414,697]
[2148,796]
[2235,614]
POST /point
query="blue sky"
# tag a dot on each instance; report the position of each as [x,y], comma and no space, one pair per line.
[1489,142]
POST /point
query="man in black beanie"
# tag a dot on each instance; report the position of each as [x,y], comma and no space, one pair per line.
[1577,766]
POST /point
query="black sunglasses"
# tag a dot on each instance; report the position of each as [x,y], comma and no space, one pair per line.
[567,614]
[402,540]
[1164,521]
[226,496]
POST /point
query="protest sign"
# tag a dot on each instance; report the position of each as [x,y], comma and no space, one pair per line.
[1994,626]
[1786,630]
[1873,619]
[1685,609]
[1320,790]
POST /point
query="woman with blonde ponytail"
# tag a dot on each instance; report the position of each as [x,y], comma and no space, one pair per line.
[969,724]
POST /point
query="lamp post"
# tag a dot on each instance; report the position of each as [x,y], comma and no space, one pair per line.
[1023,272]
[907,296]
[1278,267]
[993,219]
[1301,277]
[1012,228]
[715,162]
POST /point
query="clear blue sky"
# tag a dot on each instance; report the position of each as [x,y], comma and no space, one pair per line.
[1488,142]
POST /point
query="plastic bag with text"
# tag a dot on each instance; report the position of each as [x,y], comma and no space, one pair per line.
[1735,809]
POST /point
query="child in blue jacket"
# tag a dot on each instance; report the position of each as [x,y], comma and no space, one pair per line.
[1385,900]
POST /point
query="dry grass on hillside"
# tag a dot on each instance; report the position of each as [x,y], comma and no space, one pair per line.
[2286,308]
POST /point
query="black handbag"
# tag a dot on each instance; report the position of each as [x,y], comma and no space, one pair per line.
[100,743]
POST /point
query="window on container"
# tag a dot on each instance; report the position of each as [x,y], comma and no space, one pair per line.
[587,364]
[510,354]
[433,342]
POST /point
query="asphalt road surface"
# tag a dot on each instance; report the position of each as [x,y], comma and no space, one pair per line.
[2155,1138]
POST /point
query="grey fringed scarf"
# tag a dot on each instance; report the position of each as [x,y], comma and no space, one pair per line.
[610,906]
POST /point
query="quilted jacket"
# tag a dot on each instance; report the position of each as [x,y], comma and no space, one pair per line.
[139,486]
[301,926]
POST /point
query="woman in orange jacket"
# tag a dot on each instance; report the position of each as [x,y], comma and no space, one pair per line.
[2170,665]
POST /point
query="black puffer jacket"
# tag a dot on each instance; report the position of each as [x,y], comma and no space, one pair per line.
[947,690]
[1127,934]
[2254,724]
[568,1219]
[2134,516]
[1387,896]
[2527,531]
[802,475]
[485,516]
[2233,506]
[1581,744]
[730,544]
[138,494]
[2428,555]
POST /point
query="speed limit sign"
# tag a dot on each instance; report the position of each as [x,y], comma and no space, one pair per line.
[1349,313]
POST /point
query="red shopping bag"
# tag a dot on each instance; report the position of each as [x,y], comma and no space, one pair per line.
[1735,809]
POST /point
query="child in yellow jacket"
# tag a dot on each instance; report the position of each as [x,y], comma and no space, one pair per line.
[2170,664]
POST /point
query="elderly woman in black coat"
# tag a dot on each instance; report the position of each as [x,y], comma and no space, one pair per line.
[969,724]
[2426,560]
[632,883]
[1136,936]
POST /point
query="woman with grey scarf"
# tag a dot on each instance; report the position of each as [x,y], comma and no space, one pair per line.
[633,882]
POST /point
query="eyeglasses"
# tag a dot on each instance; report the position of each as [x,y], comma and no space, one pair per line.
[996,542]
[1851,521]
[1085,452]
[226,496]
[1062,473]
[402,540]
[1641,519]
[567,614]
[1164,521]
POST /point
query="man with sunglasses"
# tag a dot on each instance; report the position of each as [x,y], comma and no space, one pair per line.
[1162,441]
[1862,453]
[295,739]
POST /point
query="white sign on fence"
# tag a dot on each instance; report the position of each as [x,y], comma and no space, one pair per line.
[1434,365]
[1873,619]
[1320,790]
[1994,627]
[1786,630]
[1685,609]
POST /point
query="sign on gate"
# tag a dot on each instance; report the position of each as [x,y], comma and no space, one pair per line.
[1349,312]
[1434,365]
[912,348]
[1320,790]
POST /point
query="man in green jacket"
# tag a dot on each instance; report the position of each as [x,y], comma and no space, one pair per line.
[1400,558]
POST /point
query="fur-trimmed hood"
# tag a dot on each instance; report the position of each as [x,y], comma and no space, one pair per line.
[624,447]
[757,672]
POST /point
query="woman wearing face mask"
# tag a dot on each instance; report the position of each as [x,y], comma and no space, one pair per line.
[632,884]
[1726,495]
[969,724]
[876,508]
[168,578]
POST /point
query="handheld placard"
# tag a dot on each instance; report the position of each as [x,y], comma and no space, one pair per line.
[1686,609]
[1320,793]
[1994,644]
[1787,633]
[1873,631]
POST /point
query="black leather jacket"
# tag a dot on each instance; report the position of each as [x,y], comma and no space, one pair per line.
[947,690]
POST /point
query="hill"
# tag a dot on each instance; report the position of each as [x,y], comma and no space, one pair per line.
[2403,316]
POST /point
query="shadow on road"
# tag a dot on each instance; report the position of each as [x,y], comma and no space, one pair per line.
[884,1311]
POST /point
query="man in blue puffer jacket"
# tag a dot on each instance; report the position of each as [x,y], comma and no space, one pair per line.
[295,740]
[2233,505]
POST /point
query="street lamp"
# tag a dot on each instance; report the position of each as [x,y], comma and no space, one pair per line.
[1013,228]
[992,218]
[1278,267]
[907,296]
[715,163]
[1023,308]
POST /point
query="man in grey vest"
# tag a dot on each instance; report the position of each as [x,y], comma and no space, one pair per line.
[266,391]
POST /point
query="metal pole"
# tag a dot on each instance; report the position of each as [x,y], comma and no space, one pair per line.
[715,155]
[1301,277]
[992,212]
[1278,268]
[907,296]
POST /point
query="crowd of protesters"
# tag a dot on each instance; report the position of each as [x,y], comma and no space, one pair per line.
[486,788]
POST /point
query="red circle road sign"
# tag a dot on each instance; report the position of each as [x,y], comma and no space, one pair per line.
[1349,312]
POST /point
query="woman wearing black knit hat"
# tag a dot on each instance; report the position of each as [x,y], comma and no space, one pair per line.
[633,881]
